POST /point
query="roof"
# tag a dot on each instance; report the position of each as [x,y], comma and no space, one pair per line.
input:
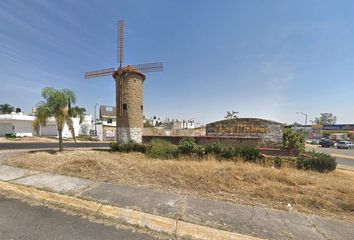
[17,116]
[129,69]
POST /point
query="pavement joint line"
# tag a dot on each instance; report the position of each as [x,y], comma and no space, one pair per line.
[89,187]
[129,216]
[24,176]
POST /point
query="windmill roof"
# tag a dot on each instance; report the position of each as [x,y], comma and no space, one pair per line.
[130,69]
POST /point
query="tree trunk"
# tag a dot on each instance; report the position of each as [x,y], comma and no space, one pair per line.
[60,132]
[73,133]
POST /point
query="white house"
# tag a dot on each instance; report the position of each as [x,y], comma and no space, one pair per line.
[22,125]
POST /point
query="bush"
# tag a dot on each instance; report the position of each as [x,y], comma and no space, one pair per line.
[249,154]
[189,147]
[294,141]
[278,162]
[158,148]
[230,153]
[215,149]
[128,147]
[321,162]
[10,135]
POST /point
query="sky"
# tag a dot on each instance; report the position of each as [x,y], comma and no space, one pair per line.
[265,59]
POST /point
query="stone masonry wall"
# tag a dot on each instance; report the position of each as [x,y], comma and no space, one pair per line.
[133,98]
[129,134]
[270,132]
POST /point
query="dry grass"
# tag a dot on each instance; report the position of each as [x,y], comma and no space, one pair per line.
[329,194]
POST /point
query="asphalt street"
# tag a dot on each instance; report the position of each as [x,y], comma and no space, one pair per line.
[332,150]
[34,145]
[345,162]
[21,221]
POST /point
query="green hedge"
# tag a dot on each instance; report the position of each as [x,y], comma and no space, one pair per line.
[128,147]
[249,153]
[10,135]
[320,162]
[158,148]
[189,147]
[215,149]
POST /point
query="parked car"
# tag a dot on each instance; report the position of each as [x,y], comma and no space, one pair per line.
[312,141]
[326,143]
[345,145]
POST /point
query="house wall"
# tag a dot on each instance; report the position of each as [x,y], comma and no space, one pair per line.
[23,126]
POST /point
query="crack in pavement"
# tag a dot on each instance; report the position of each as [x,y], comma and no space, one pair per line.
[316,228]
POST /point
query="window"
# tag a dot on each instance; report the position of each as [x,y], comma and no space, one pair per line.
[125,106]
[109,109]
[109,120]
[142,107]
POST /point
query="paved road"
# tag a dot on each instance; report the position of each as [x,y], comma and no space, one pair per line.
[19,145]
[342,154]
[345,162]
[20,221]
[345,152]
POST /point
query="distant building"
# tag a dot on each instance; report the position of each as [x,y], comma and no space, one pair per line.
[106,124]
[153,121]
[21,125]
[171,123]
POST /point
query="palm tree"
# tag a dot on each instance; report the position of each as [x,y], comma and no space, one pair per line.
[6,108]
[57,104]
[78,112]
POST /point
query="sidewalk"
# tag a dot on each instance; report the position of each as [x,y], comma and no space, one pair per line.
[248,220]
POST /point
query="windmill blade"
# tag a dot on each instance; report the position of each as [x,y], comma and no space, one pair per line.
[149,67]
[99,73]
[120,42]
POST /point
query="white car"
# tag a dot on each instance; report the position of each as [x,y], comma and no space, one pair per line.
[345,145]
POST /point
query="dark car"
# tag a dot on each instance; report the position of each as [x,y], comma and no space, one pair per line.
[326,143]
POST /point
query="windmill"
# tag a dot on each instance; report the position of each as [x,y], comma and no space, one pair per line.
[129,91]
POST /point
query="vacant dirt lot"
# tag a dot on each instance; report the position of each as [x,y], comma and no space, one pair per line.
[329,194]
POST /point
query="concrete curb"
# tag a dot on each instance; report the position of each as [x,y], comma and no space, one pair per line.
[137,218]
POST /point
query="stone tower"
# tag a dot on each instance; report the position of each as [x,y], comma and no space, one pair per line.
[129,104]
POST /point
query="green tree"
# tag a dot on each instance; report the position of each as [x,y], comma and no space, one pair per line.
[56,104]
[325,118]
[78,112]
[6,108]
[231,115]
[293,140]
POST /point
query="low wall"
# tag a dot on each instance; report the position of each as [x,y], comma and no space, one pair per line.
[158,131]
[231,141]
[205,140]
[278,152]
